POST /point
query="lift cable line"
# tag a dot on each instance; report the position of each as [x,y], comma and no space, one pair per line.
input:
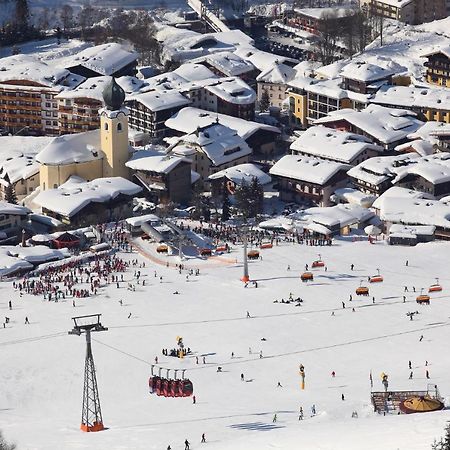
[91,414]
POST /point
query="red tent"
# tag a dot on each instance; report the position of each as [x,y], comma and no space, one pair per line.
[66,240]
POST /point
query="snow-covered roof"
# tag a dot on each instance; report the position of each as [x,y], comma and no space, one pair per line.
[366,72]
[12,209]
[301,82]
[381,168]
[220,143]
[260,59]
[342,214]
[105,59]
[354,197]
[332,88]
[229,63]
[332,144]
[445,50]
[412,96]
[10,264]
[18,156]
[308,169]
[185,46]
[433,168]
[161,100]
[153,161]
[193,72]
[396,3]
[242,172]
[399,192]
[164,81]
[139,220]
[429,131]
[93,87]
[31,68]
[233,90]
[422,230]
[386,125]
[39,253]
[422,148]
[76,193]
[189,119]
[71,148]
[416,211]
[278,73]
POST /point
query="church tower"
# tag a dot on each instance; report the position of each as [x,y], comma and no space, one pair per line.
[114,132]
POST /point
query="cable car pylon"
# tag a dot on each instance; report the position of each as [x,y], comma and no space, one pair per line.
[91,414]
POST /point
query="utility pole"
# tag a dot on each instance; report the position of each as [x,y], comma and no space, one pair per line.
[245,277]
[91,414]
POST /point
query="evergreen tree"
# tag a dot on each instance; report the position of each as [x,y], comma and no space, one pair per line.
[4,445]
[264,102]
[10,193]
[249,198]
[225,207]
[443,443]
[22,14]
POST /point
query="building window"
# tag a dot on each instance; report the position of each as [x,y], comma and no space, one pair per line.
[119,127]
[106,126]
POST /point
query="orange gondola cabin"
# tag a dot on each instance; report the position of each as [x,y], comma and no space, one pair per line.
[307,276]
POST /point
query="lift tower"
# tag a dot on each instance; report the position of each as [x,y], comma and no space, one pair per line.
[91,414]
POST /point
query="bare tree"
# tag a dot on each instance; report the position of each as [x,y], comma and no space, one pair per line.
[66,16]
[326,46]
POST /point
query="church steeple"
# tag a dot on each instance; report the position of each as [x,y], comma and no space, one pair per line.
[114,131]
[113,96]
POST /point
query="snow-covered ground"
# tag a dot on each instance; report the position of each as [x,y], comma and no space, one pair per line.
[42,366]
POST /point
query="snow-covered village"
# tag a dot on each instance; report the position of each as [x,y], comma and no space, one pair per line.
[225,225]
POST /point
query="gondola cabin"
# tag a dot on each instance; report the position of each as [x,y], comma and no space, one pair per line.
[376,279]
[205,252]
[253,254]
[307,276]
[435,288]
[423,299]
[162,248]
[266,245]
[186,388]
[221,248]
[318,263]
[362,290]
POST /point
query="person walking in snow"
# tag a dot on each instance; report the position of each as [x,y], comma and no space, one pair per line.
[194,400]
[300,414]
[409,365]
[410,375]
[242,377]
[342,397]
[274,418]
[203,438]
[186,445]
[26,321]
[343,305]
[427,374]
[313,410]
[352,267]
